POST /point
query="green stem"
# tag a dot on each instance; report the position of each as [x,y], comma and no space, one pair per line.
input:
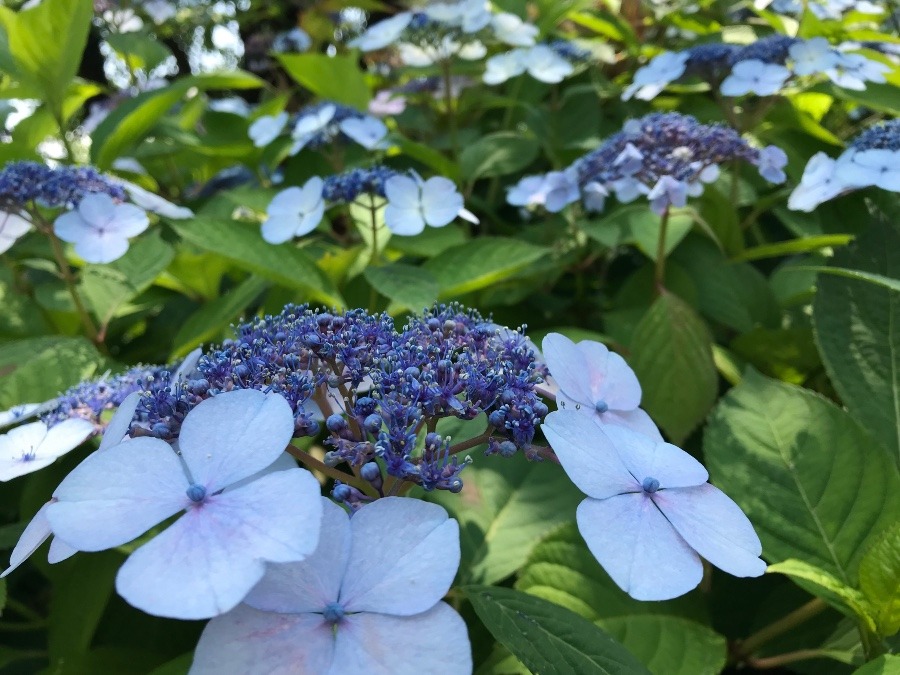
[783,625]
[659,276]
[451,111]
[784,659]
[472,442]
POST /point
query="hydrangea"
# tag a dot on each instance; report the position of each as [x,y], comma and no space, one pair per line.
[267,128]
[755,77]
[24,183]
[100,228]
[214,553]
[542,62]
[367,600]
[596,382]
[33,446]
[319,125]
[650,514]
[347,187]
[294,212]
[12,227]
[414,203]
[666,157]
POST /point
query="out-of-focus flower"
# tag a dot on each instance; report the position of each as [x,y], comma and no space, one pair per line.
[651,79]
[818,184]
[369,132]
[310,125]
[853,71]
[100,228]
[386,102]
[512,30]
[294,212]
[383,33]
[755,77]
[813,56]
[12,227]
[266,129]
[33,446]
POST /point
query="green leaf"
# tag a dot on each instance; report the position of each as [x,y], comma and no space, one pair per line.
[672,356]
[547,638]
[498,154]
[825,586]
[481,263]
[106,287]
[793,247]
[38,369]
[886,664]
[207,322]
[505,507]
[180,665]
[877,279]
[242,244]
[141,51]
[857,327]
[636,224]
[78,602]
[814,483]
[879,580]
[409,287]
[334,78]
[46,42]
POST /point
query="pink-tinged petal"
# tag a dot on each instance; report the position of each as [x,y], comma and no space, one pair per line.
[715,527]
[97,209]
[59,551]
[587,455]
[116,495]
[567,366]
[638,547]
[310,585]
[646,458]
[404,554]
[118,426]
[71,227]
[380,644]
[251,642]
[403,221]
[65,437]
[101,248]
[234,435]
[35,534]
[619,387]
[636,420]
[208,560]
[129,220]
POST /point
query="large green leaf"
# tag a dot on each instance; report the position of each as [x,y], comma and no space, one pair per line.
[547,638]
[886,664]
[334,78]
[498,154]
[505,507]
[408,287]
[671,354]
[857,325]
[480,263]
[636,224]
[879,580]
[45,43]
[813,482]
[242,245]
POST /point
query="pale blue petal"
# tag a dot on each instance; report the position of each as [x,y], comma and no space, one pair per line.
[587,455]
[101,248]
[403,221]
[715,527]
[404,555]
[233,435]
[638,547]
[433,643]
[568,368]
[646,458]
[247,641]
[310,585]
[636,420]
[36,533]
[118,426]
[116,495]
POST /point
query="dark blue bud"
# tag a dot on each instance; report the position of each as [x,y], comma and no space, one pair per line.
[373,423]
[508,396]
[540,410]
[241,371]
[280,336]
[341,492]
[336,423]
[332,459]
[433,441]
[161,430]
[497,419]
[650,484]
[333,612]
[198,387]
[455,486]
[196,493]
[370,471]
[334,381]
[324,319]
[433,324]
[312,340]
[412,371]
[444,364]
[507,448]
[601,407]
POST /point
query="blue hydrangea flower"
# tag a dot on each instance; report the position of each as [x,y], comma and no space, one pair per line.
[294,212]
[650,515]
[100,228]
[414,203]
[33,446]
[368,600]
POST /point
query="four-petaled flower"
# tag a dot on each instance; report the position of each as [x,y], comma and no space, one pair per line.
[369,132]
[100,228]
[294,212]
[756,77]
[205,563]
[818,184]
[414,203]
[368,600]
[596,382]
[650,514]
[862,168]
[33,446]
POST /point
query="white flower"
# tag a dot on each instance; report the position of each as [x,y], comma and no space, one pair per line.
[205,562]
[852,71]
[367,131]
[159,11]
[512,30]
[414,203]
[877,167]
[422,56]
[19,412]
[294,212]
[501,67]
[33,446]
[153,202]
[382,33]
[470,15]
[309,126]
[545,65]
[656,75]
[265,129]
[667,192]
[368,600]
[100,228]
[234,105]
[12,226]
[813,56]
[818,184]
[755,76]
